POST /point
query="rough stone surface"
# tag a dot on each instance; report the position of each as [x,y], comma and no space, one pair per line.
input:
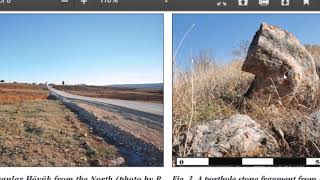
[309,131]
[313,125]
[273,54]
[316,117]
[235,136]
[315,52]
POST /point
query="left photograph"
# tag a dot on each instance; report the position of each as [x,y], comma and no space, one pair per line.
[81,90]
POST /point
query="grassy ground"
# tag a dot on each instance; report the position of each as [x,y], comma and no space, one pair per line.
[132,94]
[21,92]
[208,91]
[36,131]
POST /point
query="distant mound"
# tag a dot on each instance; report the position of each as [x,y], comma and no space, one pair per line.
[156,86]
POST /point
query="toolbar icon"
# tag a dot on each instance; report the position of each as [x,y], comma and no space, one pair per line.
[306,2]
[221,3]
[264,2]
[243,2]
[285,2]
[64,1]
[83,1]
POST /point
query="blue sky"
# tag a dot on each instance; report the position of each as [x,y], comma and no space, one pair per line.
[222,33]
[92,49]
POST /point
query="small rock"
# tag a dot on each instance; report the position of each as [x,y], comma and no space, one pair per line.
[118,162]
[238,135]
[316,117]
[99,138]
[312,125]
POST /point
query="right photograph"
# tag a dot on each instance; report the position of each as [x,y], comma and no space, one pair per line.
[246,85]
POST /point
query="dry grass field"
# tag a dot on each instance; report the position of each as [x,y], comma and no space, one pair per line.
[21,92]
[208,91]
[36,130]
[149,95]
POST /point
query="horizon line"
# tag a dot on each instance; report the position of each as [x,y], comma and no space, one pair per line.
[66,83]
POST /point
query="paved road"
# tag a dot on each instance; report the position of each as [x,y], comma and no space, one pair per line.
[152,108]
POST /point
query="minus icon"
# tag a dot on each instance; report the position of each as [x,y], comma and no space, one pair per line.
[64,1]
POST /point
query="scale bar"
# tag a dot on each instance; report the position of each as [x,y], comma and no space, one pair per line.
[290,162]
[231,162]
[225,161]
[313,162]
[257,161]
[192,161]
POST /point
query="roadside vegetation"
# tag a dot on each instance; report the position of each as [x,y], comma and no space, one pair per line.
[37,130]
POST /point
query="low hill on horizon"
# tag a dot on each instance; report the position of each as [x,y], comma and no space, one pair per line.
[157,86]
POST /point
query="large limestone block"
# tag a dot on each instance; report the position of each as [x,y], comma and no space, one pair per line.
[281,64]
